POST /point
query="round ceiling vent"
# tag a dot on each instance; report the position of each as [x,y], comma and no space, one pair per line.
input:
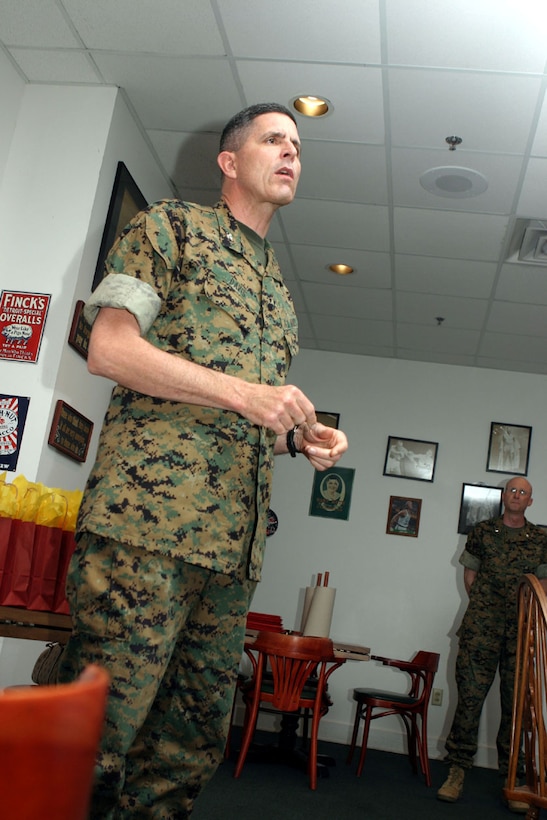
[454,182]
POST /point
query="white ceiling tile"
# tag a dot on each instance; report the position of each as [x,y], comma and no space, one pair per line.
[370,269]
[424,308]
[468,34]
[533,199]
[522,283]
[160,90]
[502,173]
[539,148]
[329,300]
[55,66]
[344,171]
[307,30]
[508,317]
[456,235]
[453,277]
[440,339]
[337,224]
[428,106]
[336,328]
[435,356]
[355,92]
[163,27]
[35,23]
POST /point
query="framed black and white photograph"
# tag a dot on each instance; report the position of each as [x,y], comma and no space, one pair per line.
[509,448]
[126,201]
[410,458]
[403,516]
[479,502]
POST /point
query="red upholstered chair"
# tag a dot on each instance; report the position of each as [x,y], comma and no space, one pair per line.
[282,667]
[412,707]
[49,737]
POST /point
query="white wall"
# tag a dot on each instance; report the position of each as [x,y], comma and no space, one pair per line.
[396,594]
[59,148]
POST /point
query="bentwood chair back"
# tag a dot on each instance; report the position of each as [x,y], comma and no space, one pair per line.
[282,668]
[529,724]
[49,736]
[412,708]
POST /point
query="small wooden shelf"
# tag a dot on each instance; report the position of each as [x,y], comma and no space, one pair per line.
[34,625]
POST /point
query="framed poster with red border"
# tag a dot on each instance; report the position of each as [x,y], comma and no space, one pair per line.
[22,322]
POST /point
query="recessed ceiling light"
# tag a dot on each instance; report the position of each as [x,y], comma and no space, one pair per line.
[310,106]
[340,269]
[454,182]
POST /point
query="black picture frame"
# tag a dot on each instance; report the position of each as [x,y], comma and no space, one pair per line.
[331,493]
[410,458]
[126,201]
[479,502]
[508,448]
[403,516]
[328,419]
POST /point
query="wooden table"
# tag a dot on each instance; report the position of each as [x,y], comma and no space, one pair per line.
[33,625]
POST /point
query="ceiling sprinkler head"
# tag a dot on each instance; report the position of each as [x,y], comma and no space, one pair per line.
[452,142]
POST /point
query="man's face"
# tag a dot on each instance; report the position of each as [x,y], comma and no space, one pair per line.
[267,166]
[517,496]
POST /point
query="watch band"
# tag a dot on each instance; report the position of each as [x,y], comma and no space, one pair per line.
[291,446]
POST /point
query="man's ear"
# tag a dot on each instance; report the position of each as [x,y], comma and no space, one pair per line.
[227,164]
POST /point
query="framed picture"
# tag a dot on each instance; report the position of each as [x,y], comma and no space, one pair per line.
[70,432]
[80,330]
[125,202]
[479,503]
[331,493]
[509,448]
[329,419]
[403,516]
[410,458]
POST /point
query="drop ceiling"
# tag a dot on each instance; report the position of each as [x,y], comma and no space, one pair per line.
[437,277]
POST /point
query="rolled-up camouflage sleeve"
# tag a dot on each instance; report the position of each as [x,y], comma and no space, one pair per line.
[470,561]
[139,267]
[120,291]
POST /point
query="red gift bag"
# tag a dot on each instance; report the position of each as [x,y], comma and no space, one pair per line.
[45,568]
[16,576]
[50,518]
[68,544]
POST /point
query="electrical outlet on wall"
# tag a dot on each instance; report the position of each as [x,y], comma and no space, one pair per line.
[436,697]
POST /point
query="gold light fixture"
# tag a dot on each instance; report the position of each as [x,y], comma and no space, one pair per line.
[310,106]
[340,269]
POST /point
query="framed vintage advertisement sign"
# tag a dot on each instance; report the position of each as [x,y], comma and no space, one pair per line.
[479,502]
[410,458]
[125,202]
[508,448]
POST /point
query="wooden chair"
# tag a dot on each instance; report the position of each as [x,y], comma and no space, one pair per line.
[49,737]
[412,707]
[283,666]
[529,702]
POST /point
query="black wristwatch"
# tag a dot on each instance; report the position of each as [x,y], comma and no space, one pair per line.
[291,446]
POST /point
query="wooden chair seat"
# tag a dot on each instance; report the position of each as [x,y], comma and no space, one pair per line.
[412,707]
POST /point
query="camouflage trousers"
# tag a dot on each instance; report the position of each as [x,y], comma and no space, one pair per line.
[476,666]
[171,636]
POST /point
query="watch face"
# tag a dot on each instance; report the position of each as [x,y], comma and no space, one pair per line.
[272,523]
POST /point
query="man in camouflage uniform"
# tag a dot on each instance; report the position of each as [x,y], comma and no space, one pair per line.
[195,325]
[497,553]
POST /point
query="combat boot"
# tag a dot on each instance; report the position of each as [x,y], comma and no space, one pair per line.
[452,788]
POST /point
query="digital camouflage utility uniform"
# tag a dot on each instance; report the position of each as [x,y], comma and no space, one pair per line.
[488,633]
[172,524]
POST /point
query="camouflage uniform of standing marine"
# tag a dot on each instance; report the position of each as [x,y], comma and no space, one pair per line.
[177,481]
[499,555]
